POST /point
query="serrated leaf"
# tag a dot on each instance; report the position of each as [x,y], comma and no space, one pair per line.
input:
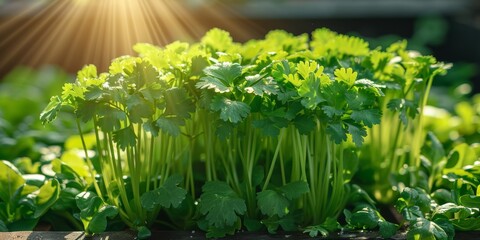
[304,124]
[271,126]
[209,82]
[359,100]
[168,126]
[371,86]
[87,72]
[86,110]
[287,223]
[93,93]
[346,75]
[310,92]
[259,85]
[177,103]
[221,204]
[50,112]
[332,112]
[151,127]
[125,137]
[369,117]
[337,133]
[272,203]
[358,133]
[225,72]
[294,190]
[231,111]
[324,229]
[138,109]
[168,195]
[109,118]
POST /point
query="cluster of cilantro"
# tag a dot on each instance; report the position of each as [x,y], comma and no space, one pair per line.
[329,88]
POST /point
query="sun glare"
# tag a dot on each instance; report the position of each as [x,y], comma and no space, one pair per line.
[77,32]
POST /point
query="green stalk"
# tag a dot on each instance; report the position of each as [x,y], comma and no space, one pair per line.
[274,159]
[418,136]
[88,161]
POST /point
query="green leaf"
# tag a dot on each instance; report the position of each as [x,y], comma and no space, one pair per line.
[143,232]
[10,180]
[271,124]
[94,212]
[168,195]
[364,218]
[151,127]
[470,201]
[86,110]
[221,205]
[369,117]
[93,93]
[260,85]
[125,137]
[324,229]
[304,124]
[252,225]
[294,190]
[466,224]
[98,224]
[177,103]
[50,112]
[387,229]
[359,100]
[232,111]
[447,226]
[358,133]
[332,112]
[87,72]
[138,109]
[220,77]
[346,75]
[210,82]
[337,132]
[217,39]
[425,229]
[272,203]
[47,196]
[287,223]
[168,126]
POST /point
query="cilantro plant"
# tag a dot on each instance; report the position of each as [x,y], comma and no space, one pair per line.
[271,130]
[403,79]
[137,109]
[280,107]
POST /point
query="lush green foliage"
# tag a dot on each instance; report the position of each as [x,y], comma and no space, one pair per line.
[265,135]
